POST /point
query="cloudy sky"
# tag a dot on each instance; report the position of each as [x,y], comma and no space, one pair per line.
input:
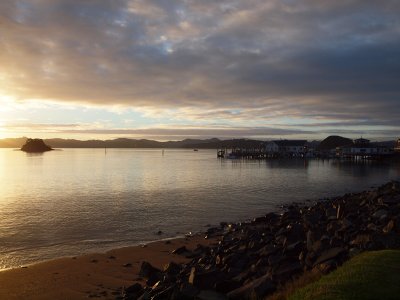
[169,70]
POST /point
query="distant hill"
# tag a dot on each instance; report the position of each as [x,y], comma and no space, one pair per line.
[229,144]
[213,143]
[330,142]
[333,141]
[13,142]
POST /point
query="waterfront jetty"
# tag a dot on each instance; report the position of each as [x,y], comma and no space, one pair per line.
[331,147]
[242,153]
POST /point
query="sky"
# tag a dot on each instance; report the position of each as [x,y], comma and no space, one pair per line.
[169,70]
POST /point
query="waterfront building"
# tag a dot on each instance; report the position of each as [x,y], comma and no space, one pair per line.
[287,148]
[397,146]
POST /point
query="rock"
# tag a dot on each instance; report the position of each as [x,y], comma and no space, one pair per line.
[330,254]
[312,219]
[332,227]
[331,214]
[35,146]
[294,249]
[259,220]
[133,292]
[181,251]
[380,214]
[145,296]
[256,289]
[188,291]
[320,245]
[147,270]
[346,224]
[390,240]
[172,268]
[268,250]
[309,240]
[389,226]
[225,286]
[205,280]
[295,232]
[153,279]
[200,249]
[164,293]
[353,252]
[326,266]
[210,295]
[362,241]
[135,288]
[274,259]
[340,211]
[372,227]
[371,197]
[286,270]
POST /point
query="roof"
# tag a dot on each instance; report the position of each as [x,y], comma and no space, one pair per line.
[359,146]
[361,141]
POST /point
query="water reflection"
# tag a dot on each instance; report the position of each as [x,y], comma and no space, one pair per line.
[34,154]
[77,200]
[295,163]
[363,168]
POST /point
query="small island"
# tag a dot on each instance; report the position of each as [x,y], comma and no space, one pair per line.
[35,146]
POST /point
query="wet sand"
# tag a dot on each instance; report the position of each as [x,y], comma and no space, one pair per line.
[91,276]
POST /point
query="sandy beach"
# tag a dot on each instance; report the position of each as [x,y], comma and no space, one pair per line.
[97,275]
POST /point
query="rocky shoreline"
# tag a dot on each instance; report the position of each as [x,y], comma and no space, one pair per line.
[252,260]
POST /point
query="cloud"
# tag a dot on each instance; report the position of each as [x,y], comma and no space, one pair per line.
[178,132]
[231,60]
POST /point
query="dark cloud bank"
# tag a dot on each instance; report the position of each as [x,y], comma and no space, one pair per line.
[321,60]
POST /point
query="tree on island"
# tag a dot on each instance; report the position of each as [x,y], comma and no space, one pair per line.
[35,145]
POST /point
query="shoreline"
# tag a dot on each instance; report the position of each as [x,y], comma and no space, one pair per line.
[100,251]
[94,275]
[236,260]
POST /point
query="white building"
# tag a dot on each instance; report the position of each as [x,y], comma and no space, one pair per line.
[291,148]
[362,147]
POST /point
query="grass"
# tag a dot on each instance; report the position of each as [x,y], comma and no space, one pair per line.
[370,275]
[297,283]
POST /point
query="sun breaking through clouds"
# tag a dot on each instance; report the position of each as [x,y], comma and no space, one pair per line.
[172,69]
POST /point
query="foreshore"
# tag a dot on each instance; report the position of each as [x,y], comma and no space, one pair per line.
[96,275]
[231,261]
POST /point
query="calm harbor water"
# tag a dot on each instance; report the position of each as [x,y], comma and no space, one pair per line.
[74,201]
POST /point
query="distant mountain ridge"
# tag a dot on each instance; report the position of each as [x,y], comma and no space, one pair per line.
[212,143]
[333,141]
[13,142]
[330,142]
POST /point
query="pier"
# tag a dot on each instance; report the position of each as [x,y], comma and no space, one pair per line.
[243,153]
